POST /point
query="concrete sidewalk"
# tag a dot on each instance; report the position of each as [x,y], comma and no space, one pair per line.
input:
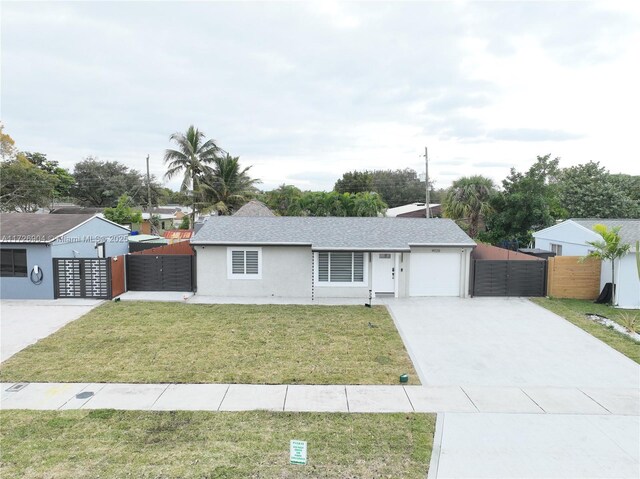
[318,398]
[506,446]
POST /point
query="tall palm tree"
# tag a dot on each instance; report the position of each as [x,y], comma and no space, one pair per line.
[191,158]
[468,199]
[227,186]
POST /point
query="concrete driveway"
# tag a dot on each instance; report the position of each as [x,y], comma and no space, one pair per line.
[505,342]
[23,322]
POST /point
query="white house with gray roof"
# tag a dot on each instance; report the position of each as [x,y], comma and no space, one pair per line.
[570,237]
[315,257]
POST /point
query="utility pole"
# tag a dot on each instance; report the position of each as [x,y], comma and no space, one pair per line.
[427,213]
[148,189]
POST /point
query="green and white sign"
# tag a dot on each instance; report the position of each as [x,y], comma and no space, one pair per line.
[298,452]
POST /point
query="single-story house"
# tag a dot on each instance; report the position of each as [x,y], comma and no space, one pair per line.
[29,242]
[313,257]
[570,237]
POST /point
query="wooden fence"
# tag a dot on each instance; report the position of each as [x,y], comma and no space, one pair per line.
[117,276]
[568,277]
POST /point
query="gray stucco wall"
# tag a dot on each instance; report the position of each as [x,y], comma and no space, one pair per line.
[286,272]
[23,288]
[84,239]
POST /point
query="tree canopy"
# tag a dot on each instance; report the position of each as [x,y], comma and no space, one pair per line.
[468,200]
[396,187]
[124,213]
[590,191]
[102,183]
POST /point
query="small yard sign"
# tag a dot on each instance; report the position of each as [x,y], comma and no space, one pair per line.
[298,452]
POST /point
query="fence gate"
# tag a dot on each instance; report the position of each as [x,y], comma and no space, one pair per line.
[82,278]
[509,278]
[160,272]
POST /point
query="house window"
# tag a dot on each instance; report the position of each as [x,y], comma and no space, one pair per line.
[340,267]
[245,263]
[13,263]
[101,250]
[557,249]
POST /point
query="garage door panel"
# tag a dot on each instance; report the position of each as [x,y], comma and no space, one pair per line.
[435,273]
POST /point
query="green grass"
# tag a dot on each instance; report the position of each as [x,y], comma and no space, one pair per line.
[117,444]
[145,342]
[574,310]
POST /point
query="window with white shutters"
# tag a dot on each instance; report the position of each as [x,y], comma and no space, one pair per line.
[244,263]
[340,267]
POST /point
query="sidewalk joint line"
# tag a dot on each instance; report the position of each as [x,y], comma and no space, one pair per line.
[346,396]
[224,396]
[602,406]
[404,388]
[159,396]
[284,404]
[534,402]
[469,398]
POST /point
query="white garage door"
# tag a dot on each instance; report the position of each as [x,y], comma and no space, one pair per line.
[435,273]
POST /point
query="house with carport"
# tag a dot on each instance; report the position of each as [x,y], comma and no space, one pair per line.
[316,257]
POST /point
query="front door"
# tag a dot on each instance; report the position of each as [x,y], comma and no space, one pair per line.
[383,279]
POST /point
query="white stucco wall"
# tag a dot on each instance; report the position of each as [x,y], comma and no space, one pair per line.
[286,272]
[573,239]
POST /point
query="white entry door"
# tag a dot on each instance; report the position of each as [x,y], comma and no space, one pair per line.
[383,279]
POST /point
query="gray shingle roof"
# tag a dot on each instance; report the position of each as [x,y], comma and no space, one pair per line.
[332,232]
[37,228]
[629,231]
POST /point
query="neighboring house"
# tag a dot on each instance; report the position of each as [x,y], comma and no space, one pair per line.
[570,237]
[31,240]
[165,222]
[254,208]
[414,210]
[312,257]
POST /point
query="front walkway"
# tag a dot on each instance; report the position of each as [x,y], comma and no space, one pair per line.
[373,399]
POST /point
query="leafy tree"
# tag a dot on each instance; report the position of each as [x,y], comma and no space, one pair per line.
[284,200]
[227,186]
[287,200]
[184,224]
[590,191]
[468,199]
[527,203]
[23,187]
[7,145]
[169,197]
[123,213]
[65,180]
[102,183]
[396,187]
[609,249]
[191,159]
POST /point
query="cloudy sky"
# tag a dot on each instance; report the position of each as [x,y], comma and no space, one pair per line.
[307,91]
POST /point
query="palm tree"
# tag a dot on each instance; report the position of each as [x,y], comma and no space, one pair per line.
[227,186]
[609,249]
[191,158]
[468,199]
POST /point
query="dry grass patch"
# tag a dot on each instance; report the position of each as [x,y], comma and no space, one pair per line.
[114,444]
[574,310]
[144,342]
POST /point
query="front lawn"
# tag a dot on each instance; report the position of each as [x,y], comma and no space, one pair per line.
[574,310]
[145,342]
[114,444]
